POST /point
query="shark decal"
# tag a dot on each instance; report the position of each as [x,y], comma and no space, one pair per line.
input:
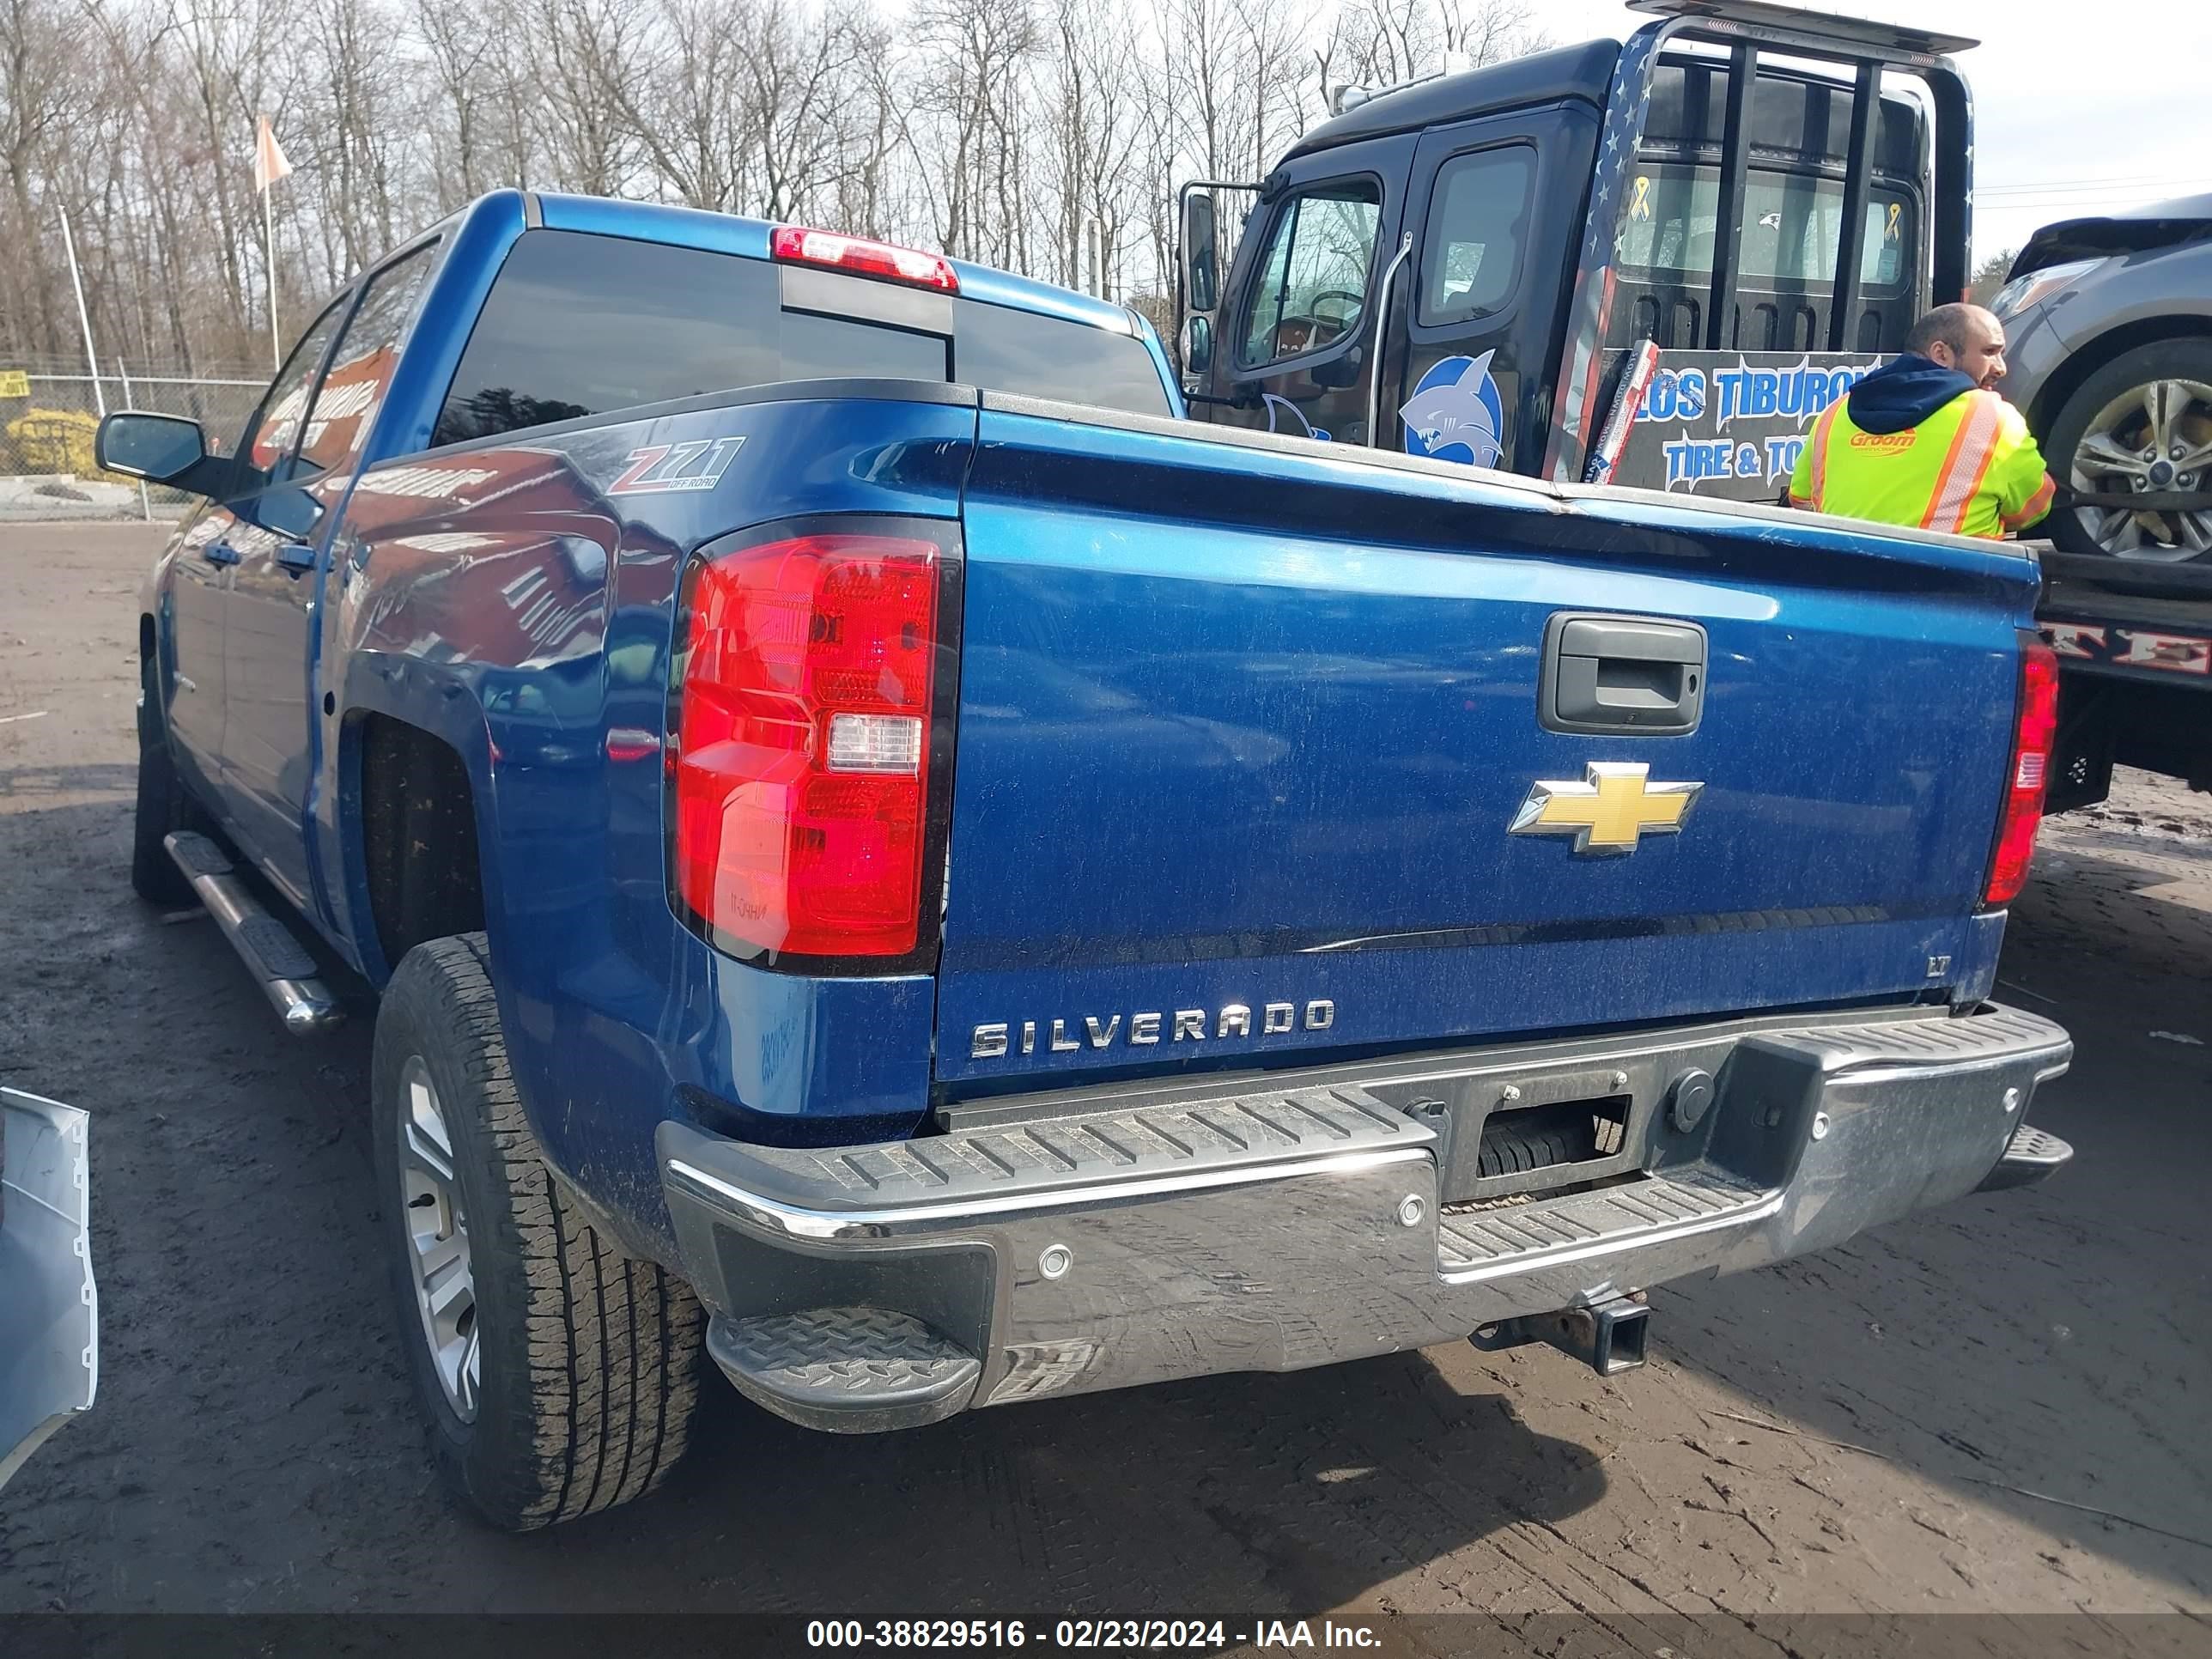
[1456,413]
[1276,407]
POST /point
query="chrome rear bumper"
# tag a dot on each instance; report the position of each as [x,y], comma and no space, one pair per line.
[1127,1236]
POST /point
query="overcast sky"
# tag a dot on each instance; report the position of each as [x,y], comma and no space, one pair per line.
[2079,107]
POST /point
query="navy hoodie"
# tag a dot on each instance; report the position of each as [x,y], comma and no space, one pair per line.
[1903,392]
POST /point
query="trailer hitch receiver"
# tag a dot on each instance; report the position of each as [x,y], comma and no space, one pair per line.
[1605,1333]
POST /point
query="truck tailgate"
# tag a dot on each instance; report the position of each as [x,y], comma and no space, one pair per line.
[1244,727]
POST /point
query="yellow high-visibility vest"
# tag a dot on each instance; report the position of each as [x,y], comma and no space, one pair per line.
[1972,468]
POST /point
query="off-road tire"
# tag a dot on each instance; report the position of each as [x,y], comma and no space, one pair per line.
[590,1359]
[162,807]
[2161,360]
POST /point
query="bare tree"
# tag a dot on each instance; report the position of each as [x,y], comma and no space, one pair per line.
[40,42]
[1043,136]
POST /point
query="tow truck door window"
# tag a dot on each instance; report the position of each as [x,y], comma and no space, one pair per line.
[1478,220]
[1312,288]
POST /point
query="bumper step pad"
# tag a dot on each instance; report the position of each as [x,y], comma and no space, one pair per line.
[1487,1243]
[979,1166]
[2033,1155]
[852,1369]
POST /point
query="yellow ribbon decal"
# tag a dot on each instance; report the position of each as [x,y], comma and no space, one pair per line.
[1641,207]
[1896,212]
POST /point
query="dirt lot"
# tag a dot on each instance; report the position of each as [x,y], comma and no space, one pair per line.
[1945,1416]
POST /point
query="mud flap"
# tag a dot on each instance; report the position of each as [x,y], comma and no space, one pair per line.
[49,1309]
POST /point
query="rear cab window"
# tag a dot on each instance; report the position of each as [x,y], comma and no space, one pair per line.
[579,323]
[1792,223]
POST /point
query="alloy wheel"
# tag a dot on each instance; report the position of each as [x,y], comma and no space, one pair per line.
[2156,437]
[438,1239]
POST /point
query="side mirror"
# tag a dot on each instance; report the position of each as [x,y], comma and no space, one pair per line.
[165,449]
[1197,345]
[1200,251]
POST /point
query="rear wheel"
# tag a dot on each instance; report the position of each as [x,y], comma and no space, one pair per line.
[557,1376]
[2142,424]
[163,806]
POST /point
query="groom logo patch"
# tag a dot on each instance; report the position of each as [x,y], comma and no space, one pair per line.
[1456,413]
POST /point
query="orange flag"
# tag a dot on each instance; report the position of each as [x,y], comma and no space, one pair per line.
[269,162]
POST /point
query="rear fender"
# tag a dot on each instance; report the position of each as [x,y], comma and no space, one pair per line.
[514,600]
[433,698]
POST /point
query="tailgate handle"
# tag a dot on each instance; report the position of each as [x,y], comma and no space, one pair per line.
[1620,674]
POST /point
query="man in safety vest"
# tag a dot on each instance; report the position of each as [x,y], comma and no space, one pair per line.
[1925,441]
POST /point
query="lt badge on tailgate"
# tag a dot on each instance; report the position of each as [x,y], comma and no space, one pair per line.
[1609,812]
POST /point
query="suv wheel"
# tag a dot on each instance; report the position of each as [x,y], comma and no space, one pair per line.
[2141,424]
[557,1376]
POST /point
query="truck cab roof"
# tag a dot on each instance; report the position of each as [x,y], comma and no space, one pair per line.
[730,233]
[1584,72]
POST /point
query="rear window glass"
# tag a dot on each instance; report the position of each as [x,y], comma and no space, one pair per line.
[1792,224]
[1008,350]
[583,325]
[580,325]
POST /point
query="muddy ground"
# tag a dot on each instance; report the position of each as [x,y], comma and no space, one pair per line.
[2000,1405]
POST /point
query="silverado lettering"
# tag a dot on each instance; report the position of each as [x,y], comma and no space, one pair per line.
[990,1041]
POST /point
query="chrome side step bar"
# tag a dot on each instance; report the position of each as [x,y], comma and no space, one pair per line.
[264,944]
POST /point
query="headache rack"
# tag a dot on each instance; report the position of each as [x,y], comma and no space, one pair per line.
[1863,51]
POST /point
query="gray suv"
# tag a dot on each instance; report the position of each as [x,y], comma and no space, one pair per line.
[2108,333]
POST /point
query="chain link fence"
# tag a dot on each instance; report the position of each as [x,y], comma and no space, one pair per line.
[48,415]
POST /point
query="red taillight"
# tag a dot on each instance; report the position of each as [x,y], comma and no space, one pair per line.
[2035,731]
[862,257]
[802,765]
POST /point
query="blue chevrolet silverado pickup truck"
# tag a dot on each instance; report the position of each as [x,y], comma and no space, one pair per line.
[888,859]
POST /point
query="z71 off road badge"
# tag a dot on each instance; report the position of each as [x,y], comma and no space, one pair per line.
[1609,812]
[662,469]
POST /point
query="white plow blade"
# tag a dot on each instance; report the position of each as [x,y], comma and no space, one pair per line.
[49,1310]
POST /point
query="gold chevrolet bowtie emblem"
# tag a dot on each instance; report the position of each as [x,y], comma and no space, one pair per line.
[1609,811]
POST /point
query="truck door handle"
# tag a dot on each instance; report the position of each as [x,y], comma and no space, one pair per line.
[1621,674]
[295,559]
[219,553]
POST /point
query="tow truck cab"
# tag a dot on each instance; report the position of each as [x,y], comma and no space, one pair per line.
[1478,266]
